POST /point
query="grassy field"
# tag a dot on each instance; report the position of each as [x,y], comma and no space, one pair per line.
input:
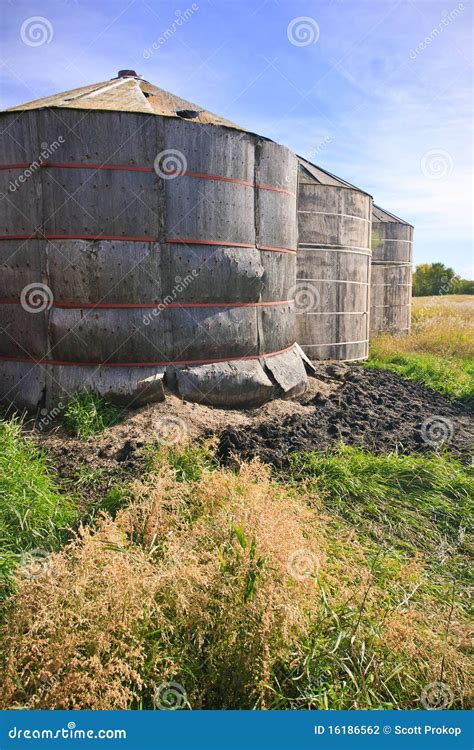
[341,585]
[440,348]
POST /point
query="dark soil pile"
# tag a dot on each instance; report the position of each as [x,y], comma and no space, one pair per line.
[371,408]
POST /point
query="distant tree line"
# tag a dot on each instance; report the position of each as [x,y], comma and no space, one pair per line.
[435,278]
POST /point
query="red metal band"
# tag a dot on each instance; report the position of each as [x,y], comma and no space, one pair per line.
[276,189]
[149,305]
[181,362]
[133,168]
[89,237]
[126,238]
[21,165]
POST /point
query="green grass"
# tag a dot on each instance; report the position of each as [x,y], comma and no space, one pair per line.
[452,377]
[188,462]
[407,508]
[34,514]
[332,669]
[87,413]
[412,503]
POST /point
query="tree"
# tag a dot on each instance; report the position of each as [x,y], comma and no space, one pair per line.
[436,278]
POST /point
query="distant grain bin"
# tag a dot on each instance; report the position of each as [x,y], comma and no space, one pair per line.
[333,266]
[144,238]
[390,298]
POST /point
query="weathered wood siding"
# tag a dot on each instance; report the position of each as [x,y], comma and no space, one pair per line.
[202,241]
[333,271]
[390,290]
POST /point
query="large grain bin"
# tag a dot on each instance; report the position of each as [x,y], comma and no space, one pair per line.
[390,289]
[333,266]
[143,237]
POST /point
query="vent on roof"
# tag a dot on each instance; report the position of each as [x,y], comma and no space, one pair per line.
[127,74]
[187,114]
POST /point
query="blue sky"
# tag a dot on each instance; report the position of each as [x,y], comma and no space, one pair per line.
[376,91]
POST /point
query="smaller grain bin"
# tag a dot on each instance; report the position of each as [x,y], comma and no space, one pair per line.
[390,290]
[333,266]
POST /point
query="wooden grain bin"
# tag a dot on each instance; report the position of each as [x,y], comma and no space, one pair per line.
[390,290]
[333,266]
[178,267]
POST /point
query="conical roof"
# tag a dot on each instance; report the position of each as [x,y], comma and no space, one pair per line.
[317,174]
[380,214]
[128,92]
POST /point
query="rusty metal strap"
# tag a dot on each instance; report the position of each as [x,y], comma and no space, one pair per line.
[39,235]
[149,305]
[132,168]
[177,363]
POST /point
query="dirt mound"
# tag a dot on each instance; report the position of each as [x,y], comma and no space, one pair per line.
[119,452]
[371,408]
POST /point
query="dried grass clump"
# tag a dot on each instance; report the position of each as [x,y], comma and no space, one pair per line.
[74,635]
[227,586]
[190,583]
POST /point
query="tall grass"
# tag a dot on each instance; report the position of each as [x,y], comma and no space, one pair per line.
[245,593]
[439,350]
[418,504]
[34,515]
[87,413]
